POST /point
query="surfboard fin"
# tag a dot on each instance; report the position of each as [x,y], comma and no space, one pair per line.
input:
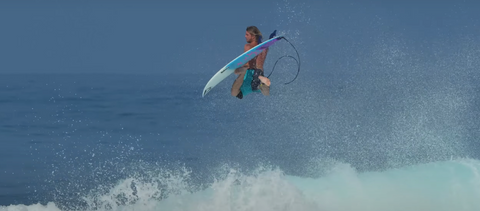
[273,34]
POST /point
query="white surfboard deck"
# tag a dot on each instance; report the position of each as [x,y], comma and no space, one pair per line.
[238,62]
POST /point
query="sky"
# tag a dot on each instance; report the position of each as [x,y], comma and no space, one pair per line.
[185,36]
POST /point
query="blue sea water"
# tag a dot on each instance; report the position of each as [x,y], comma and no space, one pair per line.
[383,116]
[150,142]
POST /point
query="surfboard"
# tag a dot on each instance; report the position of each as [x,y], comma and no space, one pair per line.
[238,62]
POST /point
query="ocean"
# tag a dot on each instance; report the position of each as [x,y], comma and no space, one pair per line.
[151,142]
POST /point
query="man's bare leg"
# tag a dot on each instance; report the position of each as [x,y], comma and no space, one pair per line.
[265,86]
[240,70]
[237,84]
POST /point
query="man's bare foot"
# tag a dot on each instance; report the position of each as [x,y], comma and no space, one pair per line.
[264,80]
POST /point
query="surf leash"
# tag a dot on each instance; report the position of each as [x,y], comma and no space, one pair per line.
[288,56]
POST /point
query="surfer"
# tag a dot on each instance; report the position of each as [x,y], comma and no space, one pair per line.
[250,76]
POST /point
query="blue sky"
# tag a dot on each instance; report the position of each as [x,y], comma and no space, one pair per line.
[183,36]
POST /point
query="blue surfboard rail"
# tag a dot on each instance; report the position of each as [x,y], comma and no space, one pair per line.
[250,54]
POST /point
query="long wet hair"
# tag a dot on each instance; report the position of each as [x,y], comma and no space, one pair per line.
[256,32]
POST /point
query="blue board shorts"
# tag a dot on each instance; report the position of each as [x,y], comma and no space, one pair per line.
[250,81]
